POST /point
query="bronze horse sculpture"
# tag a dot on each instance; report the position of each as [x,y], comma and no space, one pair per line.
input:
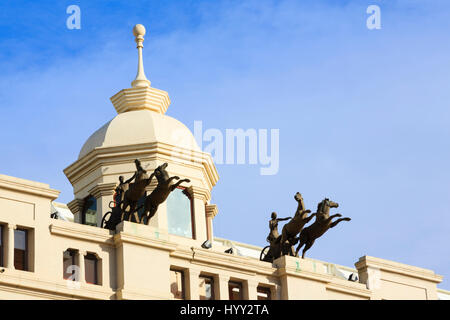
[295,225]
[134,192]
[128,194]
[284,243]
[160,193]
[321,225]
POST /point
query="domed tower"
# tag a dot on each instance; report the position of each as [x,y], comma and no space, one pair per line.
[141,130]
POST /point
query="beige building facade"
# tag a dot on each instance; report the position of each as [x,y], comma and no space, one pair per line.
[50,250]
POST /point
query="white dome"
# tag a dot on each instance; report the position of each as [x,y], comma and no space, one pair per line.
[141,126]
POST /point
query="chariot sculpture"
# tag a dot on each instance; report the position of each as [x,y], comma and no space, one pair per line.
[294,230]
[124,206]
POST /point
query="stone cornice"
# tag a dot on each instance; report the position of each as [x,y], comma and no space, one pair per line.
[76,206]
[139,234]
[103,156]
[140,98]
[399,268]
[143,241]
[26,186]
[289,271]
[127,294]
[27,283]
[81,232]
[223,261]
[346,286]
[104,189]
[211,210]
[200,193]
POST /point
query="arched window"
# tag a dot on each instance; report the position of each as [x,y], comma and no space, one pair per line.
[180,213]
[89,215]
[92,269]
[70,264]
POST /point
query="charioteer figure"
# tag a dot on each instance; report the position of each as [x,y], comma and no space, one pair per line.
[273,226]
[121,189]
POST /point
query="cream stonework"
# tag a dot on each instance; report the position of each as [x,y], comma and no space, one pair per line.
[137,261]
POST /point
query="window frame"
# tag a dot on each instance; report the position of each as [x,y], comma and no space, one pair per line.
[183,283]
[85,208]
[74,254]
[90,256]
[265,290]
[230,289]
[26,250]
[186,192]
[211,279]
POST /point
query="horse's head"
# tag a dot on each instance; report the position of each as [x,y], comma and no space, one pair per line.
[325,205]
[299,198]
[161,173]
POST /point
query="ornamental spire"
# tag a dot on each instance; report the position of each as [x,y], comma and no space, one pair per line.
[141,80]
[141,96]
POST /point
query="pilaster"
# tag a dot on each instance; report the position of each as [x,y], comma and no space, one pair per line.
[76,207]
[250,290]
[10,252]
[192,284]
[221,287]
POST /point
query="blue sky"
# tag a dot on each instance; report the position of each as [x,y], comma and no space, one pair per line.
[363,115]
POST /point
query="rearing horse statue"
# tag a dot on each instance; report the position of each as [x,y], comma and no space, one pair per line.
[135,191]
[295,225]
[320,226]
[160,193]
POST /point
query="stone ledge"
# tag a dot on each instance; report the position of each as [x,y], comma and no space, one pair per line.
[28,186]
[396,267]
[140,98]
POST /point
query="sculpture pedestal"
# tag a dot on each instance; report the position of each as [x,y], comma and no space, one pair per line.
[302,279]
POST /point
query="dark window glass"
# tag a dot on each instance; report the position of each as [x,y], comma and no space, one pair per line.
[177,284]
[20,249]
[235,290]
[180,213]
[1,246]
[263,293]
[90,265]
[89,215]
[206,288]
[68,261]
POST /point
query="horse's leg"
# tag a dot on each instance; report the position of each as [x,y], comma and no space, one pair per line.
[136,216]
[130,213]
[176,185]
[152,212]
[302,242]
[308,245]
[149,180]
[328,220]
[173,178]
[310,217]
[292,251]
[332,225]
[144,215]
[123,207]
[283,235]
